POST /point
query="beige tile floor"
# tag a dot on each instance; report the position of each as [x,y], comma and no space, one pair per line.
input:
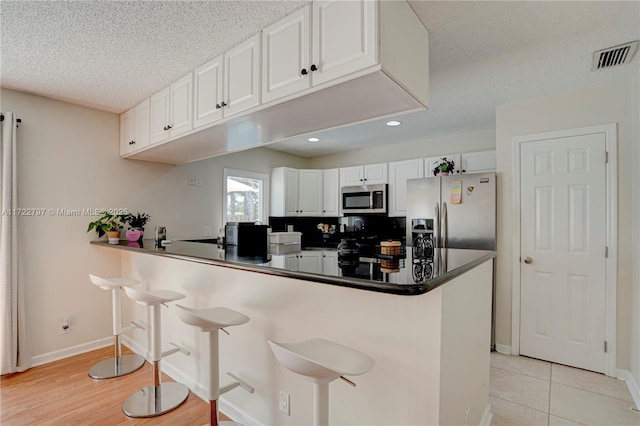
[526,391]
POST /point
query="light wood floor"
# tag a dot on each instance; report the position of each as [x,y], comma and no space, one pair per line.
[62,393]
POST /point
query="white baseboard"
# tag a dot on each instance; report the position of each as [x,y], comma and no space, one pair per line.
[487,416]
[503,349]
[70,351]
[236,414]
[633,386]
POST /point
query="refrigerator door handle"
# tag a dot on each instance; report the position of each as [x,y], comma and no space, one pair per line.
[445,225]
[437,225]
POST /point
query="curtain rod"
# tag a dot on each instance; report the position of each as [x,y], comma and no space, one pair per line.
[2,118]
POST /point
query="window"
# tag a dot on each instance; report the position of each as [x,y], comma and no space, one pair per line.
[246,195]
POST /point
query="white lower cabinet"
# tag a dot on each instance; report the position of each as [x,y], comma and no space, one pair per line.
[304,261]
[399,173]
[330,263]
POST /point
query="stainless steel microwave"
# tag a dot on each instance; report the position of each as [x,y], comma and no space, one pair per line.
[367,199]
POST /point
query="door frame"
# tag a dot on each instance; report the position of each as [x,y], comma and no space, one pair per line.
[611,262]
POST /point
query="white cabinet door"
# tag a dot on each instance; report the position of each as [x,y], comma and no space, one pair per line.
[344,38]
[330,263]
[399,173]
[375,174]
[207,85]
[141,126]
[478,162]
[181,106]
[310,194]
[285,54]
[310,261]
[159,115]
[331,192]
[127,132]
[430,163]
[350,176]
[242,77]
[291,191]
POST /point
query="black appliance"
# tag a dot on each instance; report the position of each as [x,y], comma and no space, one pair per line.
[246,239]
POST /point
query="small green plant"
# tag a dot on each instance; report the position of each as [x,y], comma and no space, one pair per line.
[107,222]
[443,166]
[136,221]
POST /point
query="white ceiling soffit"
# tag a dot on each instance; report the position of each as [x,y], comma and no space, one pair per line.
[111,55]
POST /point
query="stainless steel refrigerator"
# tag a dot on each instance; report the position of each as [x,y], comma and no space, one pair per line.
[462,207]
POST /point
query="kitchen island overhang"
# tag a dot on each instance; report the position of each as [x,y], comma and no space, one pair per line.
[447,264]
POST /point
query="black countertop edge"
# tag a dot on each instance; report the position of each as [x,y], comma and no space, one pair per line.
[362,284]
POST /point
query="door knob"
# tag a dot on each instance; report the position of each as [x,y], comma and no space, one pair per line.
[304,71]
[528,260]
[314,68]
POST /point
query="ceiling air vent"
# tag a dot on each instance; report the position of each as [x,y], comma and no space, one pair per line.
[612,56]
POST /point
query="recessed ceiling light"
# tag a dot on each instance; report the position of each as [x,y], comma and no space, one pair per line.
[394,123]
[313,139]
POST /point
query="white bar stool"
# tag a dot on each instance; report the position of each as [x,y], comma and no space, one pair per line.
[159,398]
[321,362]
[119,364]
[210,320]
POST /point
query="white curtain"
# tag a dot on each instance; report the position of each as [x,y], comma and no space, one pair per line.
[14,349]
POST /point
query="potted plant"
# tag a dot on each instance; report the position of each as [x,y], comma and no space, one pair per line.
[443,167]
[109,224]
[136,225]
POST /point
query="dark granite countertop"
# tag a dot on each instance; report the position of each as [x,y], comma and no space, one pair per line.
[402,276]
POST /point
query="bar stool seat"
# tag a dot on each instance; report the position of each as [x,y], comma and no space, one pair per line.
[210,320]
[118,365]
[159,398]
[321,362]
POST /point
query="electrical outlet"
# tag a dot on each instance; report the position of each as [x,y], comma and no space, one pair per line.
[198,181]
[284,403]
[65,325]
[191,180]
[208,232]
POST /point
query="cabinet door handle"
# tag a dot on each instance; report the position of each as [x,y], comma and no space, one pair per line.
[313,67]
[218,106]
[223,104]
[165,128]
[304,71]
[169,127]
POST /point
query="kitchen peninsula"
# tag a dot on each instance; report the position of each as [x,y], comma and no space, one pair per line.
[429,340]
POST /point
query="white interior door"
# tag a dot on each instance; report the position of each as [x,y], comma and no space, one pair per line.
[563,241]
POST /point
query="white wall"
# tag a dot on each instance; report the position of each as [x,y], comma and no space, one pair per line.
[635,304]
[69,158]
[467,142]
[610,104]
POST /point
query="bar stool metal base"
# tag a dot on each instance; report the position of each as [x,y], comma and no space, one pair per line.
[116,367]
[152,401]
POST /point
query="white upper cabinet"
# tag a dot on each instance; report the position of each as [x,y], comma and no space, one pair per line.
[208,94]
[134,128]
[478,162]
[372,174]
[344,38]
[310,193]
[430,163]
[242,77]
[331,192]
[399,173]
[285,56]
[171,110]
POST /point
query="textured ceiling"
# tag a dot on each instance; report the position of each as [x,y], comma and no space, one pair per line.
[111,55]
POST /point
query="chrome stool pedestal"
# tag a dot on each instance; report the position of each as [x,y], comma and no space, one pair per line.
[118,365]
[159,398]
